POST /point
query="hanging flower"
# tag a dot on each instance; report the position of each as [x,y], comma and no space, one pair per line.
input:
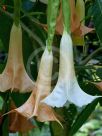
[33,106]
[78,23]
[67,88]
[14,75]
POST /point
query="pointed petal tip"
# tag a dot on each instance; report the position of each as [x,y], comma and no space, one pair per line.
[7,113]
[79,97]
[59,123]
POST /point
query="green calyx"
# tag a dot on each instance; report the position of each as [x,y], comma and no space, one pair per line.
[66,15]
[53,7]
[17,8]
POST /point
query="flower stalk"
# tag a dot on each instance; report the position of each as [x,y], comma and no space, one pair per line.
[53,6]
[17,8]
[66,15]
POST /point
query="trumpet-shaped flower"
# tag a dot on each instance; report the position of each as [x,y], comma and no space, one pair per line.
[33,106]
[14,75]
[67,88]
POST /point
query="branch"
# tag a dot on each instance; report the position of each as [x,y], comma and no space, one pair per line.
[31,34]
[90,56]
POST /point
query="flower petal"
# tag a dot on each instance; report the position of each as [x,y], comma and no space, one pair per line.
[78,97]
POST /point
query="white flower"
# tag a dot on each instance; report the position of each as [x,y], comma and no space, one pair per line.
[67,88]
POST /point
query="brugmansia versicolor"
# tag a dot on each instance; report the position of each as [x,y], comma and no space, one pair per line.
[67,88]
[33,106]
[14,75]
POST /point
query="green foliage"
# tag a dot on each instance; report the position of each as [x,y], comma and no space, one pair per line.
[82,117]
[1,103]
[99,73]
[93,125]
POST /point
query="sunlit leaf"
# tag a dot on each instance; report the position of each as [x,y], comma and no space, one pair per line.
[83,116]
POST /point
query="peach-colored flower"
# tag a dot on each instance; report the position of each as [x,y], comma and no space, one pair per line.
[33,106]
[14,75]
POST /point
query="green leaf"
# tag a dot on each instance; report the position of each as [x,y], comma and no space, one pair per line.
[99,73]
[1,45]
[6,108]
[2,66]
[19,98]
[1,102]
[67,115]
[97,17]
[83,116]
[5,127]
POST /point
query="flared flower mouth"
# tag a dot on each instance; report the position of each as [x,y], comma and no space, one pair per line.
[14,76]
[67,88]
[33,106]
